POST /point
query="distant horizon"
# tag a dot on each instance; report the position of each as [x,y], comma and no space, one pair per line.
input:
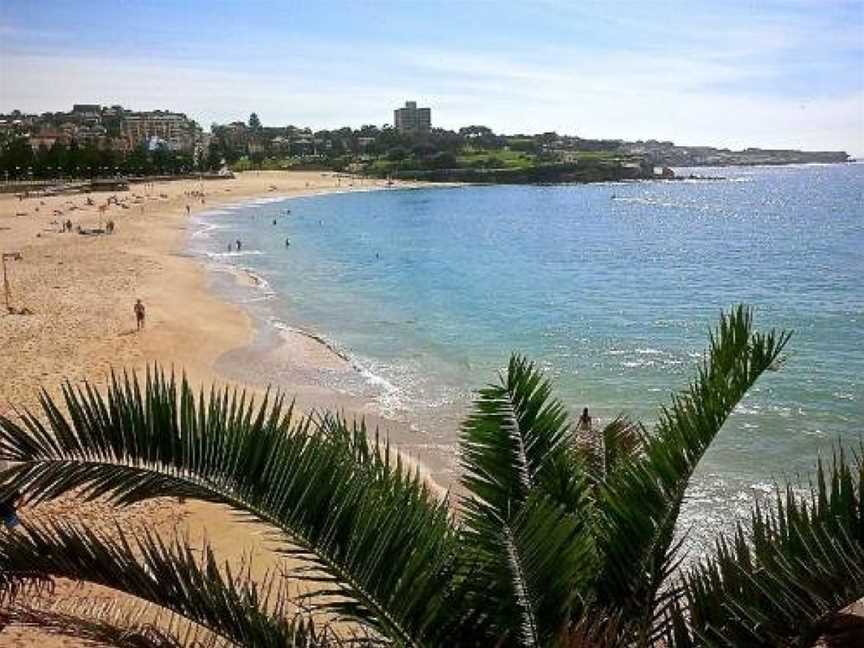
[781,75]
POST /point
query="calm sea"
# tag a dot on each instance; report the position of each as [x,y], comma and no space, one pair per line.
[611,288]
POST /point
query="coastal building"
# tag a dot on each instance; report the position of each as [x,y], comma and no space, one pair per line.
[87,110]
[174,129]
[412,119]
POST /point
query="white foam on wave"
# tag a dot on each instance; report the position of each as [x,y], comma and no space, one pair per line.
[260,282]
[222,211]
[225,255]
[633,364]
[206,229]
[751,409]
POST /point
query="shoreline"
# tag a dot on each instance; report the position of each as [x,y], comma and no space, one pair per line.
[80,291]
[303,362]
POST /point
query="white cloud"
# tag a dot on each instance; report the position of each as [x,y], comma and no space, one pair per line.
[676,96]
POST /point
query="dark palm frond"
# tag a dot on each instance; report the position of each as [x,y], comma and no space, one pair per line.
[602,450]
[641,498]
[124,624]
[530,571]
[596,629]
[383,544]
[783,581]
[623,441]
[512,441]
[520,475]
[107,624]
[142,565]
[22,582]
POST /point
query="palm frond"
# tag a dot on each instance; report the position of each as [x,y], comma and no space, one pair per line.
[142,565]
[525,515]
[383,543]
[623,441]
[641,498]
[602,450]
[15,583]
[530,571]
[511,441]
[106,623]
[784,580]
[596,629]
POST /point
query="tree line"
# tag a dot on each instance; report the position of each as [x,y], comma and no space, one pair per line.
[19,161]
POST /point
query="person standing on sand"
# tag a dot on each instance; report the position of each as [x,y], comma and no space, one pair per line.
[187,210]
[139,314]
[239,245]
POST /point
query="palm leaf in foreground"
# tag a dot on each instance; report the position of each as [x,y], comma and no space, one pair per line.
[108,624]
[383,545]
[233,607]
[784,580]
[526,514]
[641,498]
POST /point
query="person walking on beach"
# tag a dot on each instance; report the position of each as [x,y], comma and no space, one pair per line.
[239,245]
[187,209]
[139,314]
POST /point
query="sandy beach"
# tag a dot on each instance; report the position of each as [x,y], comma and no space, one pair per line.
[77,293]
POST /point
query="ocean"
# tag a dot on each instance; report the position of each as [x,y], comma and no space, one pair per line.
[611,288]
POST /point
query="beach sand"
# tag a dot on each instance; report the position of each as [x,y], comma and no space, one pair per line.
[79,292]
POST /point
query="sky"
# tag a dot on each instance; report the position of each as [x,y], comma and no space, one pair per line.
[732,73]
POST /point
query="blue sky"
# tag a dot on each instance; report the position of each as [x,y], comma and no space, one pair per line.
[728,73]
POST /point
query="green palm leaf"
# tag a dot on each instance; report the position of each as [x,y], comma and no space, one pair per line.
[512,441]
[525,517]
[785,579]
[110,624]
[385,545]
[641,498]
[170,576]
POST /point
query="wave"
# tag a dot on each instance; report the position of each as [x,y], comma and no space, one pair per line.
[650,351]
[206,229]
[225,255]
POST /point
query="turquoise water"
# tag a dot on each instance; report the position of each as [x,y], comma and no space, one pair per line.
[610,287]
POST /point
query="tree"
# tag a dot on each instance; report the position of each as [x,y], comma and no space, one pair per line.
[397,153]
[16,158]
[254,122]
[553,543]
[442,160]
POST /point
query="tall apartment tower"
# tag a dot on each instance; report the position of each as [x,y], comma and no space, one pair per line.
[412,119]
